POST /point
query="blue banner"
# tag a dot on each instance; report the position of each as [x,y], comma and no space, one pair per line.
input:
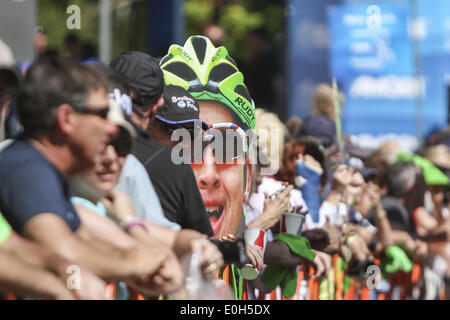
[372,56]
[369,39]
[307,52]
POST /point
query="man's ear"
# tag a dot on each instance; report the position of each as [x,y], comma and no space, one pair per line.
[159,103]
[133,93]
[65,119]
[248,173]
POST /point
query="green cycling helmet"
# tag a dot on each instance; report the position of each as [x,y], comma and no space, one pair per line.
[209,73]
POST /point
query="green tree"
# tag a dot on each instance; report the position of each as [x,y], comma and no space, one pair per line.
[236,18]
[52,17]
[129,23]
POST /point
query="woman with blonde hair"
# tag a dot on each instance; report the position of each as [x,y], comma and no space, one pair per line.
[323,103]
[272,134]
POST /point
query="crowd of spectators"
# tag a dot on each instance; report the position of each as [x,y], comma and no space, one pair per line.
[93,195]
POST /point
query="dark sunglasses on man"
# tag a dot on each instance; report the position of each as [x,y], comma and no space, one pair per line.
[86,109]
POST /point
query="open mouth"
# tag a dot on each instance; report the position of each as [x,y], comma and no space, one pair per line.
[215,216]
[107,175]
[357,184]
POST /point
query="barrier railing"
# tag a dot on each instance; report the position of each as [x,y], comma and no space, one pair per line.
[403,286]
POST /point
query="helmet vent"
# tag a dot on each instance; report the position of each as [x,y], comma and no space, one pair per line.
[230,59]
[181,70]
[242,91]
[165,59]
[199,45]
[221,72]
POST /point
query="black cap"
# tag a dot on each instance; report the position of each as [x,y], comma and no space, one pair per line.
[143,73]
[321,127]
[179,107]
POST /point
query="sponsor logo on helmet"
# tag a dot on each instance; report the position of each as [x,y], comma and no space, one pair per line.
[216,56]
[247,108]
[184,54]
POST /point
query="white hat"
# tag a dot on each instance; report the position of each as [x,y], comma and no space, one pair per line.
[7,63]
[439,155]
[116,116]
[6,56]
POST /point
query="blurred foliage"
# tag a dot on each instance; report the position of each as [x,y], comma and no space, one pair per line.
[236,18]
[129,23]
[129,26]
[52,17]
[198,14]
[130,17]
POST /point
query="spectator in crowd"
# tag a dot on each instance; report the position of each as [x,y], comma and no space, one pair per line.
[439,155]
[215,33]
[89,53]
[40,41]
[391,180]
[440,137]
[303,165]
[404,178]
[294,125]
[322,127]
[74,47]
[323,103]
[10,80]
[134,180]
[27,268]
[321,123]
[270,184]
[272,134]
